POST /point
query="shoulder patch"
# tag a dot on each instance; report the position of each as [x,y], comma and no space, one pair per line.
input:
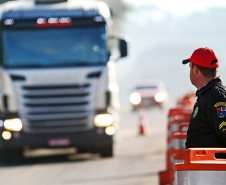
[221,109]
[195,112]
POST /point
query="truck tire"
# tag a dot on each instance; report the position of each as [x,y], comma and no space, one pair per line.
[17,154]
[5,155]
[9,155]
[106,151]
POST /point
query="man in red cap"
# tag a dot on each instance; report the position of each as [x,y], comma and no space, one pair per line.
[207,126]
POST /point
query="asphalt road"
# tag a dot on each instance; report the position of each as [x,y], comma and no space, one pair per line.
[138,158]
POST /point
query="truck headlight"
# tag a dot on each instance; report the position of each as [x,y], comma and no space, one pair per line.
[135,98]
[6,135]
[103,120]
[13,124]
[110,131]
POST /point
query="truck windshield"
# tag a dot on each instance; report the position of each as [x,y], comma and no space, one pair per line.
[53,47]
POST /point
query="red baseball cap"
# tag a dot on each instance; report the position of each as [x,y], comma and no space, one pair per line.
[205,57]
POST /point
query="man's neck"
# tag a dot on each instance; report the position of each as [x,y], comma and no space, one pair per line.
[202,83]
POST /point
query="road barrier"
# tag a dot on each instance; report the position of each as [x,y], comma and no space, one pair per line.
[179,139]
[195,166]
[177,125]
[201,167]
[178,119]
[179,113]
[178,151]
[188,100]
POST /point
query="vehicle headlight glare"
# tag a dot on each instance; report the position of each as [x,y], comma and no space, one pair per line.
[160,97]
[135,98]
[110,130]
[103,120]
[13,124]
[6,135]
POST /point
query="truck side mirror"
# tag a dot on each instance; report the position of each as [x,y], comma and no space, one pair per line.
[123,48]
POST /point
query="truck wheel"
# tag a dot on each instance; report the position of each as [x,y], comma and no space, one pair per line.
[9,155]
[17,154]
[5,155]
[106,151]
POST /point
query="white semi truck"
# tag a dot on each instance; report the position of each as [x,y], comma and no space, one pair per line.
[58,83]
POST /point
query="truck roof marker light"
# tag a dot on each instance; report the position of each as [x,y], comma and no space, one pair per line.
[99,19]
[65,20]
[41,21]
[54,22]
[9,22]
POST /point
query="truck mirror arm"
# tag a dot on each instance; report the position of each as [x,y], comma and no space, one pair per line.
[122,45]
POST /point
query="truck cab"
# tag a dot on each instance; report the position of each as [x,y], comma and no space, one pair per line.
[58,85]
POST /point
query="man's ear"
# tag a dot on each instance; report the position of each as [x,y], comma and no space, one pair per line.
[196,70]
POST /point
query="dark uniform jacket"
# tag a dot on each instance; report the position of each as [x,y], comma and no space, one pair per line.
[207,126]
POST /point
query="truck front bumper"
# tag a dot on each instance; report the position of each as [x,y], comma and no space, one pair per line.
[94,137]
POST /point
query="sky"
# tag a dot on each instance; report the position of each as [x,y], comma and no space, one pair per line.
[162,34]
[180,7]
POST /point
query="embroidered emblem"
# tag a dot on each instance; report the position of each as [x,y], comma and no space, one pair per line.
[222,126]
[221,109]
[195,112]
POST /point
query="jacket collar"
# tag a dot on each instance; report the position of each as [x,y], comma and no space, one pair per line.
[208,86]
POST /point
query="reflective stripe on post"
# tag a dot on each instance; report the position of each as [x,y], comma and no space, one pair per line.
[178,154]
[179,113]
[176,141]
[179,143]
[201,167]
[183,127]
[174,126]
[179,139]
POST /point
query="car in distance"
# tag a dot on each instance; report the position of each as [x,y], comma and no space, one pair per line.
[149,93]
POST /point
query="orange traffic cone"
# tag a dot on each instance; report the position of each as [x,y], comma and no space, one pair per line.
[142,125]
[142,129]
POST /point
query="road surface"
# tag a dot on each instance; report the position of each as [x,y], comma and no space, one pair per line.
[138,159]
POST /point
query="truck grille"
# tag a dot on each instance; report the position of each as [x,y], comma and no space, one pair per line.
[60,108]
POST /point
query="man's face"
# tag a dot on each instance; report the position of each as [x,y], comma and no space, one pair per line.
[192,76]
